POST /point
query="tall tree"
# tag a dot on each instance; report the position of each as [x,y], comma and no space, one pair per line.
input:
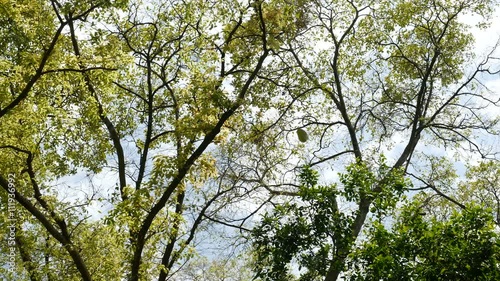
[143,91]
[391,78]
[33,148]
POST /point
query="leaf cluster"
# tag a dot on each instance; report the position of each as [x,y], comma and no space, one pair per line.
[465,247]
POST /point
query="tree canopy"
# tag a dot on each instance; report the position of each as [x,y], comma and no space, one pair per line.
[247,140]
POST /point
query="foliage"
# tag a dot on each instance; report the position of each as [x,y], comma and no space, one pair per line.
[481,187]
[418,247]
[309,233]
[223,269]
[136,90]
[133,131]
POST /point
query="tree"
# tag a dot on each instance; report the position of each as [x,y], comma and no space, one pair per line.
[179,118]
[146,92]
[393,78]
[33,61]
[314,230]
